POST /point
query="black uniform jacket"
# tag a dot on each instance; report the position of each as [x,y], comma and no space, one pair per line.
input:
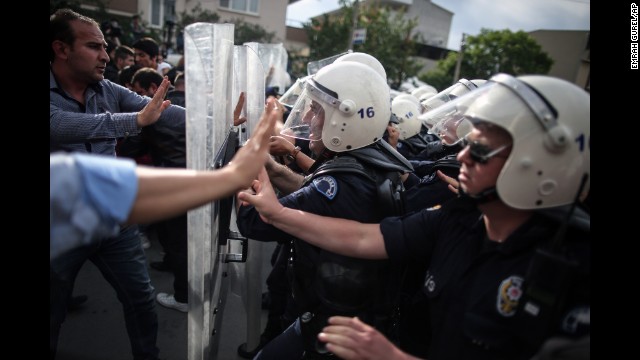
[474,285]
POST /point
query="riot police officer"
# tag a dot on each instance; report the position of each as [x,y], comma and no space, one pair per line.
[508,262]
[343,111]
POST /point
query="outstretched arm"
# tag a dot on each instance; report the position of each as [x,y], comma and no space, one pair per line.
[351,339]
[283,178]
[341,236]
[163,193]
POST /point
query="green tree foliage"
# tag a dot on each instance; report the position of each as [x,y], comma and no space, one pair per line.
[489,53]
[246,32]
[197,14]
[389,38]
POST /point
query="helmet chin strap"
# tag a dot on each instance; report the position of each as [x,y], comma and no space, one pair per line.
[483,197]
[325,155]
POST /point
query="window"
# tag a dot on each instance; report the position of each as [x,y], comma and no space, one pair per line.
[155,12]
[162,10]
[246,6]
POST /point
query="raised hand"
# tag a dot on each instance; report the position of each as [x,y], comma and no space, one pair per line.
[237,119]
[280,146]
[151,113]
[263,198]
[252,156]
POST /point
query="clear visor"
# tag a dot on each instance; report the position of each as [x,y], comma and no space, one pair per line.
[453,129]
[434,102]
[291,95]
[314,66]
[454,91]
[449,121]
[307,117]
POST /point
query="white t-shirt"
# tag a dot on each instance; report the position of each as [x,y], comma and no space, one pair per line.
[163,67]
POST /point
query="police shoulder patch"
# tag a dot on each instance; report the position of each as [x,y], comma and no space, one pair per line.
[509,292]
[326,185]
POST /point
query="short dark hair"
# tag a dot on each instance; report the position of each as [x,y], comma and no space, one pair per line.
[60,27]
[123,51]
[147,45]
[146,76]
[125,75]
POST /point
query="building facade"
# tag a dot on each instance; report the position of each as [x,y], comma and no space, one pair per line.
[155,14]
[571,54]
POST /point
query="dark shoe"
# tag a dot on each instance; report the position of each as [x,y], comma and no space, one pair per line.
[75,302]
[160,266]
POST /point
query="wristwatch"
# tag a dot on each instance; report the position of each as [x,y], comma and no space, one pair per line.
[292,157]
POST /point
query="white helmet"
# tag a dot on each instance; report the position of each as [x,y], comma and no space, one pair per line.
[366,59]
[407,113]
[405,96]
[549,123]
[349,99]
[424,89]
[424,97]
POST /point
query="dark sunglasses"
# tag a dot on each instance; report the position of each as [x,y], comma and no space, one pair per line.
[481,153]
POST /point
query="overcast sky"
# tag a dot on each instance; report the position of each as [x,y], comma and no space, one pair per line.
[469,16]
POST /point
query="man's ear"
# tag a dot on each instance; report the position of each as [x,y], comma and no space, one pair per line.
[153,88]
[60,48]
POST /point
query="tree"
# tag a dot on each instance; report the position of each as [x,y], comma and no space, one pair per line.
[243,31]
[197,14]
[246,32]
[489,53]
[390,37]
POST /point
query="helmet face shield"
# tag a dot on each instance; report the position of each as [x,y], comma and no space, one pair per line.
[451,130]
[291,95]
[448,121]
[308,115]
[454,91]
[435,101]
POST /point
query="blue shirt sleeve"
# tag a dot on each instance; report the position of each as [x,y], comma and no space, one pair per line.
[110,185]
[90,196]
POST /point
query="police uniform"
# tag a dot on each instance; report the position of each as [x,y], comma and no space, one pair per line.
[430,191]
[412,146]
[474,285]
[324,283]
[427,192]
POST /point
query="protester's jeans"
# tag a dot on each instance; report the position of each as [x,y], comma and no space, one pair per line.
[287,346]
[122,262]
